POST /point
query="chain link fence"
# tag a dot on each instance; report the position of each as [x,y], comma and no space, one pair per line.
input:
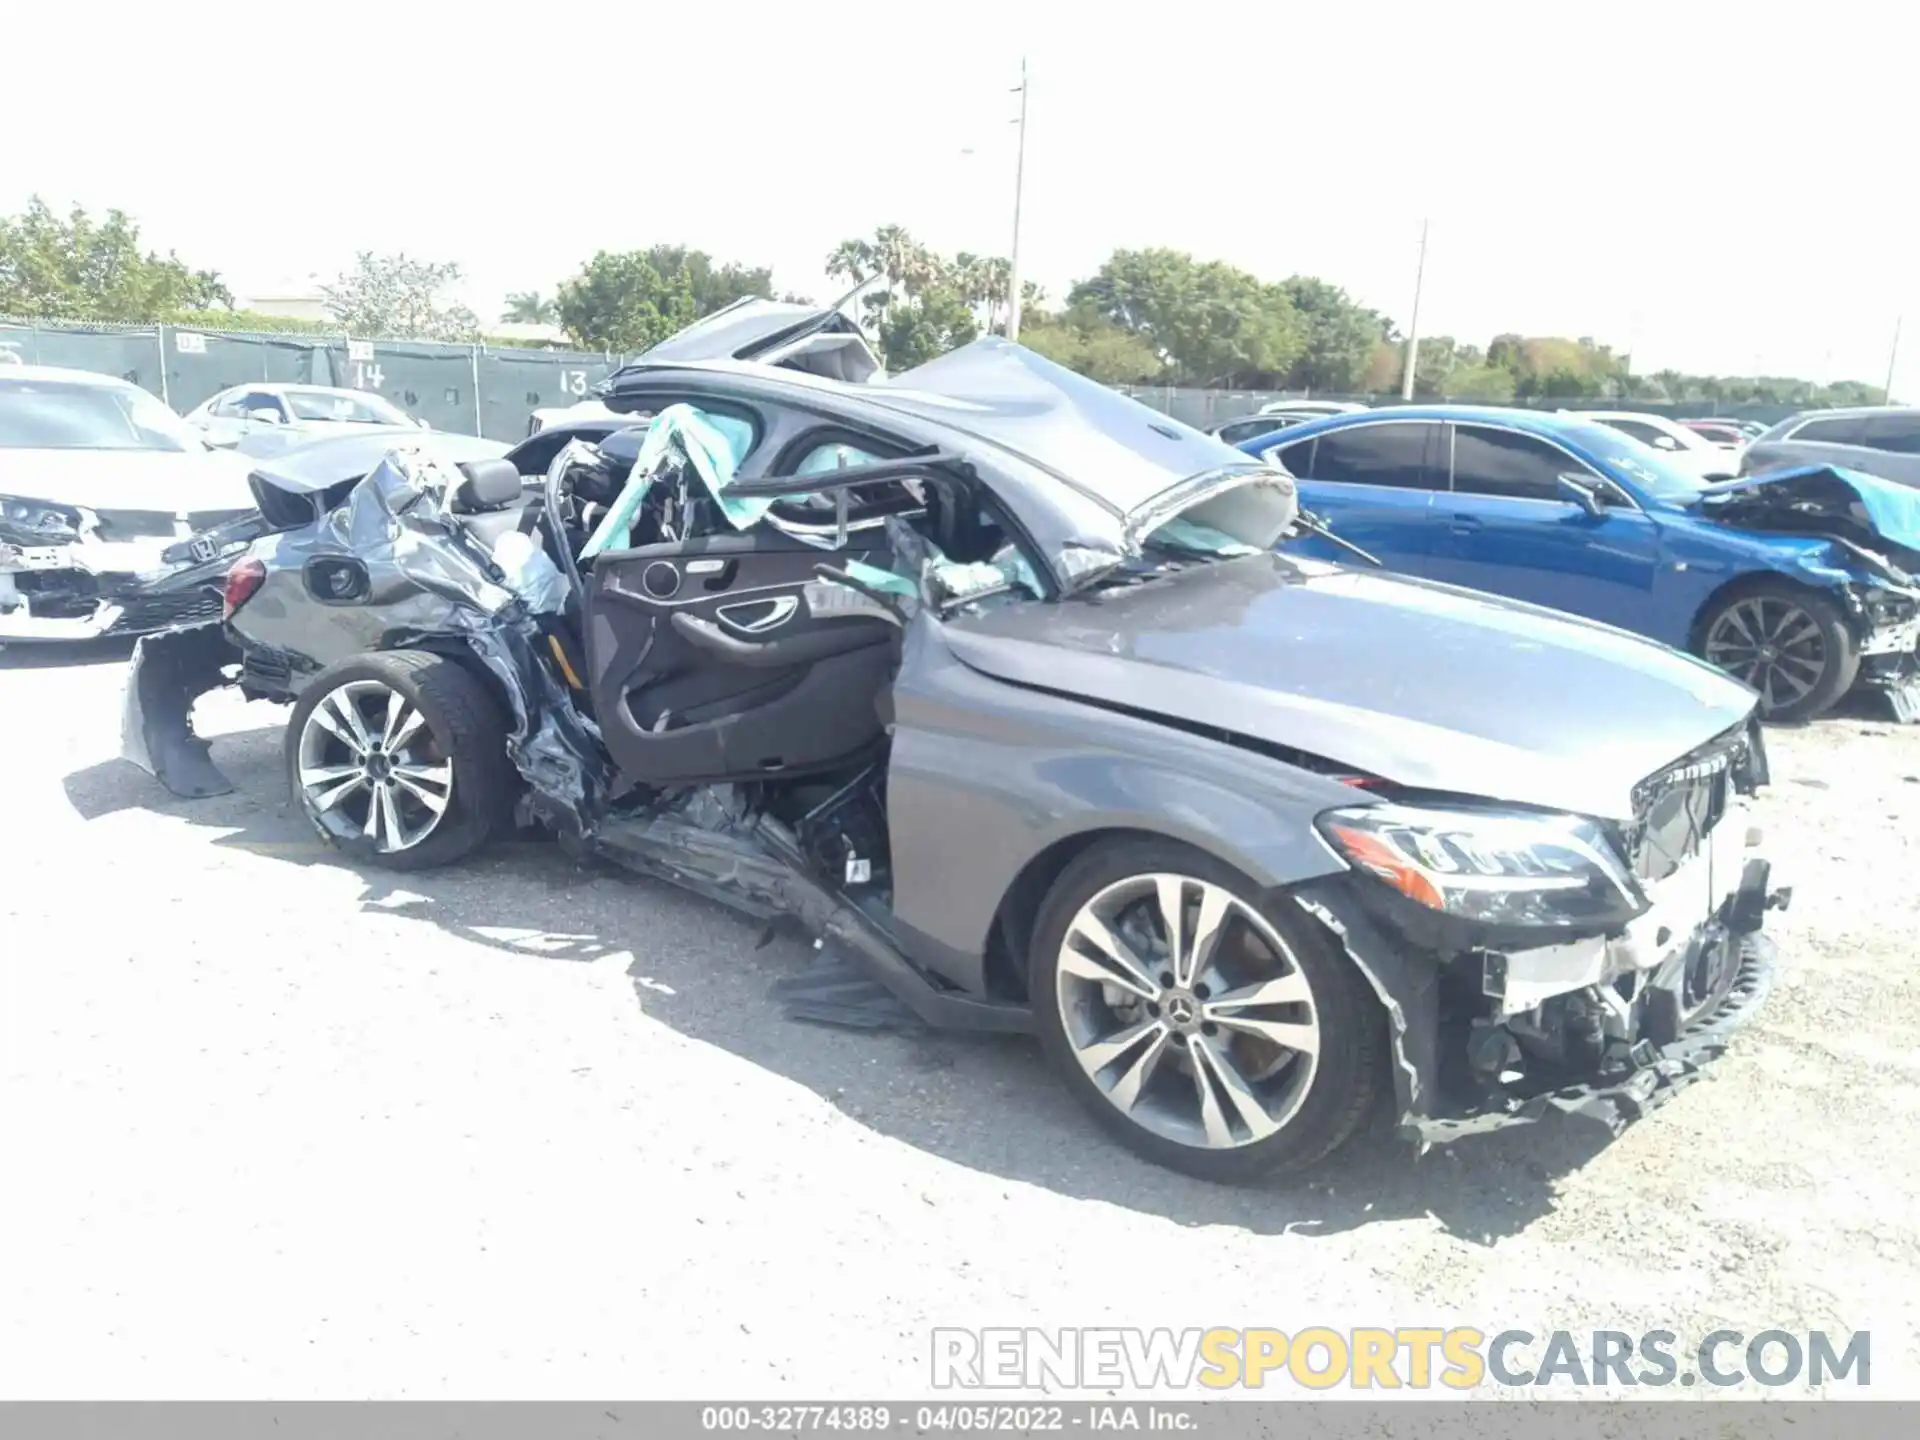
[492,390]
[469,389]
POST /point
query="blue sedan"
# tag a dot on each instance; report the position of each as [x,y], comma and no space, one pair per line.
[1798,582]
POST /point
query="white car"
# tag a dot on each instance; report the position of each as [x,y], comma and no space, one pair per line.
[98,479]
[548,416]
[1682,446]
[265,419]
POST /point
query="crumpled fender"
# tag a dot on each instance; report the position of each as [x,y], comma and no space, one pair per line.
[169,672]
[1819,500]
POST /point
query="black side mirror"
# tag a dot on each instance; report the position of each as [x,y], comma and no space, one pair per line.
[1580,490]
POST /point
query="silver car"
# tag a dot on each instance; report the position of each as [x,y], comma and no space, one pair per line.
[990,679]
[265,419]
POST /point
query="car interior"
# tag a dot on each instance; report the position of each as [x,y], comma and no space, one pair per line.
[706,651]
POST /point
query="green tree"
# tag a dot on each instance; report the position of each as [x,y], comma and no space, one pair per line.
[1210,323]
[1433,365]
[529,307]
[631,300]
[1092,345]
[399,297]
[1337,339]
[907,266]
[1488,384]
[937,319]
[79,268]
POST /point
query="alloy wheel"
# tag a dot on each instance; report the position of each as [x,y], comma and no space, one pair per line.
[370,766]
[1772,644]
[1188,1011]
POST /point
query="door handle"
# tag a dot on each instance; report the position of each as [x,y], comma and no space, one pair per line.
[756,617]
[1466,524]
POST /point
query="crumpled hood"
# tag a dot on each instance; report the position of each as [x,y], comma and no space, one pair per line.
[1815,499]
[1426,685]
[171,482]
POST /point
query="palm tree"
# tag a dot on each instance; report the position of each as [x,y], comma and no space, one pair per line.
[852,260]
[982,283]
[530,307]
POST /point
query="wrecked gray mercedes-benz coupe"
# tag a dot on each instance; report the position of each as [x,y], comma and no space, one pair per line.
[991,680]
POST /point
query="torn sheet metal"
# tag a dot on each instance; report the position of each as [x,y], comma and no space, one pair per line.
[170,671]
[530,573]
[1617,1101]
[1409,993]
[1822,500]
[439,587]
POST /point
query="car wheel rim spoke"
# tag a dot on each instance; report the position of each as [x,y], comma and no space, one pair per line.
[1126,1089]
[1188,1011]
[1288,989]
[396,837]
[1219,1071]
[369,767]
[1802,630]
[431,785]
[339,719]
[1795,685]
[328,785]
[1113,961]
[1209,920]
[404,721]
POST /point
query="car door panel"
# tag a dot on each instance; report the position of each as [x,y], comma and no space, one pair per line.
[1529,544]
[709,662]
[1373,487]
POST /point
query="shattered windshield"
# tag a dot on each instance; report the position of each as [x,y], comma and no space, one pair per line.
[63,415]
[1205,519]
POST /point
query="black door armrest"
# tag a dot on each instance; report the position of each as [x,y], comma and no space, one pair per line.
[778,654]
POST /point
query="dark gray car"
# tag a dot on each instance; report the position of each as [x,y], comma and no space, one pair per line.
[991,679]
[1880,440]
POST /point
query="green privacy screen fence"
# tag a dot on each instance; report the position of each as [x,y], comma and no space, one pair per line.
[472,389]
[482,389]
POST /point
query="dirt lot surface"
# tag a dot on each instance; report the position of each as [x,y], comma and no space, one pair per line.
[274,1126]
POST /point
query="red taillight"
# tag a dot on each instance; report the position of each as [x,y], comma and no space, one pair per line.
[242,580]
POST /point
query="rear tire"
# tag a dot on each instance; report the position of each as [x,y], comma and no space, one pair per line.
[422,779]
[1284,1029]
[1789,643]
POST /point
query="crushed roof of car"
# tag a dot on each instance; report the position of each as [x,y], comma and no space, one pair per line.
[993,392]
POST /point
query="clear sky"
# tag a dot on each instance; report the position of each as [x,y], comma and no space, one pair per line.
[1713,187]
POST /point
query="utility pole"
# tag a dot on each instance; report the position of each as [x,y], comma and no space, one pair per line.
[1886,395]
[1413,325]
[1019,184]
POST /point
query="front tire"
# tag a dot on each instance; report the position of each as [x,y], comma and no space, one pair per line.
[1230,1041]
[1789,643]
[399,759]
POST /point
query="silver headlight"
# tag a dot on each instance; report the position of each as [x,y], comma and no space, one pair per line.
[1496,867]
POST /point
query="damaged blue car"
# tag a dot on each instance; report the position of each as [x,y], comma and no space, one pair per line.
[1804,583]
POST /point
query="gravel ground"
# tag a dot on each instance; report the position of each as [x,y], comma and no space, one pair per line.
[275,1126]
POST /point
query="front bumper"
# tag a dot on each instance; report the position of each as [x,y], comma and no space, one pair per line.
[87,591]
[1605,1027]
